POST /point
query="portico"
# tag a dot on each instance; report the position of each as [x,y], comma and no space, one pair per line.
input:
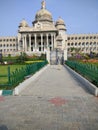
[37,42]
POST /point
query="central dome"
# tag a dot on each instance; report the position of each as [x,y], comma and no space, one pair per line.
[43,14]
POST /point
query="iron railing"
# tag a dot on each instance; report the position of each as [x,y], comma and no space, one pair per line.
[17,76]
[89,71]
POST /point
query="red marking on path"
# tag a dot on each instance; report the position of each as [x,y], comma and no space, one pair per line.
[1,98]
[57,101]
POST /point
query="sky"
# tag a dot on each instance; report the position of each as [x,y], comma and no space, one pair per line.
[80,16]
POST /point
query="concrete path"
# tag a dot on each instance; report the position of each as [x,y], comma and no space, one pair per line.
[54,101]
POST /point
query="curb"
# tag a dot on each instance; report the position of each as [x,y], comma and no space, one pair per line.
[6,92]
[91,87]
[0,92]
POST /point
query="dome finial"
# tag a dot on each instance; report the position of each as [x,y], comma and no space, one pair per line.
[43,4]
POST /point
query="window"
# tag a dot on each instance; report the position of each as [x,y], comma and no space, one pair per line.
[10,44]
[32,38]
[39,48]
[7,45]
[79,43]
[83,43]
[90,43]
[94,37]
[31,48]
[75,38]
[75,44]
[4,45]
[72,44]
[79,37]
[68,38]
[86,43]
[68,44]
[87,37]
[0,40]
[90,37]
[13,40]
[83,37]
[50,48]
[50,43]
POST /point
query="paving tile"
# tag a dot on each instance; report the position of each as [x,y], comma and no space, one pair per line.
[55,101]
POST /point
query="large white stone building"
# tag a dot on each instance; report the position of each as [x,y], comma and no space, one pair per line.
[45,35]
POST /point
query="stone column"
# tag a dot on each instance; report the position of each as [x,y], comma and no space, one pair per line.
[65,54]
[25,43]
[47,42]
[52,41]
[35,42]
[48,56]
[41,42]
[19,44]
[30,42]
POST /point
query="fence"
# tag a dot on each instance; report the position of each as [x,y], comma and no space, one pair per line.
[19,75]
[87,70]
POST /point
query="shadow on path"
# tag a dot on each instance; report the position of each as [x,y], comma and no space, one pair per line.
[3,127]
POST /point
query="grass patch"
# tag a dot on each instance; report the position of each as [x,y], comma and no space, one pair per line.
[4,72]
[4,68]
[29,62]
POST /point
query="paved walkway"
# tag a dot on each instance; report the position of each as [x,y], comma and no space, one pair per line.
[55,101]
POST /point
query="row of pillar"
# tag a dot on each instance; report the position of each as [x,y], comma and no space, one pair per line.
[35,41]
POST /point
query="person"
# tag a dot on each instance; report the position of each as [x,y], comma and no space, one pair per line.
[62,60]
[58,60]
[59,63]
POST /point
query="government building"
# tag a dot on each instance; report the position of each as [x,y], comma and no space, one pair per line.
[46,35]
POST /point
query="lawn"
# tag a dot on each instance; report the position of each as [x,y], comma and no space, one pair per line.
[4,68]
[4,71]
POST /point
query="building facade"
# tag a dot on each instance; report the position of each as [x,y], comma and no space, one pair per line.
[45,35]
[86,43]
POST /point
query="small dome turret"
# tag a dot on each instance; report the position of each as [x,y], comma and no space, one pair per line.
[60,25]
[23,23]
